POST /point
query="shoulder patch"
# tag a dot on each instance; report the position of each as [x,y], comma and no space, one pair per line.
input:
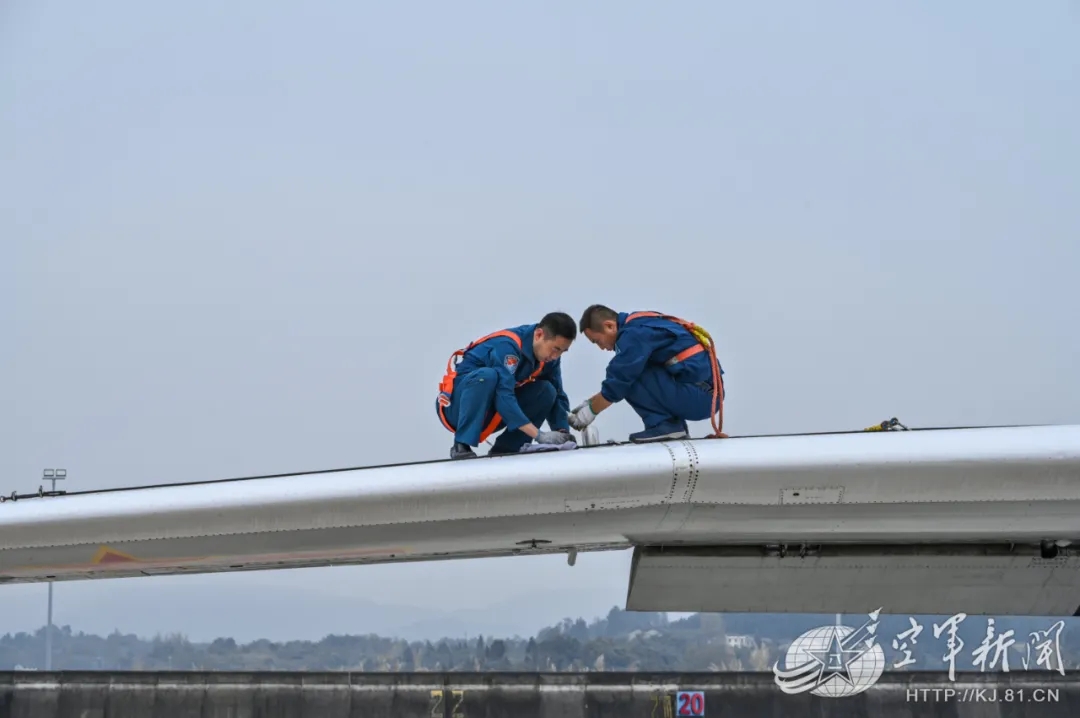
[511,362]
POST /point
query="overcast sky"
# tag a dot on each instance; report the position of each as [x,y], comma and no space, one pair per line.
[232,237]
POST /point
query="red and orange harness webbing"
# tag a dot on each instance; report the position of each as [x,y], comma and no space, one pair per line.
[717,417]
[446,388]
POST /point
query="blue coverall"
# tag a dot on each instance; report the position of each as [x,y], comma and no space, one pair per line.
[485,384]
[664,397]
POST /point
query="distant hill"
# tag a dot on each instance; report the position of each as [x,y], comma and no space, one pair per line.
[620,640]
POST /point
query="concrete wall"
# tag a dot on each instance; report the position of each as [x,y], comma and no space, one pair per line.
[34,694]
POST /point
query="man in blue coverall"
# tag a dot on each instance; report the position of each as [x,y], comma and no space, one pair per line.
[659,368]
[513,379]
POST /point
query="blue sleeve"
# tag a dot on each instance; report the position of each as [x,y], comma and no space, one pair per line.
[635,346]
[506,402]
[559,418]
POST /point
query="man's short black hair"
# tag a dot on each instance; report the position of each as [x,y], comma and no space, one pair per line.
[596,315]
[559,324]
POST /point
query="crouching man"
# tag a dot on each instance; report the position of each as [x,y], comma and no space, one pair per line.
[664,367]
[509,379]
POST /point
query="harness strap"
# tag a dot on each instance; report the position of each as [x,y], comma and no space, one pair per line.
[705,343]
[446,387]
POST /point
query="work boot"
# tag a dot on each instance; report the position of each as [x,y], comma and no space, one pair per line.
[462,451]
[664,432]
[499,449]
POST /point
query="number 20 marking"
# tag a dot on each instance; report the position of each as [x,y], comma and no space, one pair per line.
[690,703]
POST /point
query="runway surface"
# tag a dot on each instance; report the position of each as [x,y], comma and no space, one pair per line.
[32,694]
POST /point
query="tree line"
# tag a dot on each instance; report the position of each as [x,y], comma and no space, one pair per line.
[620,641]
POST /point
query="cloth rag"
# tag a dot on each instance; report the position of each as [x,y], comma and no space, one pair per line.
[534,447]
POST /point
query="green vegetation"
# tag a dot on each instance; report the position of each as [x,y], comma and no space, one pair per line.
[622,641]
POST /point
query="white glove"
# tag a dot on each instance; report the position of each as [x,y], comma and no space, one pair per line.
[552,437]
[581,416]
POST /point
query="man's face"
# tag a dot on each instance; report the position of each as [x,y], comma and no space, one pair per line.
[605,338]
[549,348]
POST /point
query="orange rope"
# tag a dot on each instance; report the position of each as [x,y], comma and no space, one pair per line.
[717,417]
[707,343]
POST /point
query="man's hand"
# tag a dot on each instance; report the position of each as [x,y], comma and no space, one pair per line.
[581,416]
[552,437]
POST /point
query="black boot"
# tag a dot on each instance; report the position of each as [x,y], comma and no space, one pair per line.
[462,451]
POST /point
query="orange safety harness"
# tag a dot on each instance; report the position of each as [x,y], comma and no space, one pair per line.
[446,388]
[705,344]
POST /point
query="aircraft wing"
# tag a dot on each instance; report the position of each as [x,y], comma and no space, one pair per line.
[925,521]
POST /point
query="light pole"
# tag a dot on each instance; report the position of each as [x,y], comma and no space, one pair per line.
[52,475]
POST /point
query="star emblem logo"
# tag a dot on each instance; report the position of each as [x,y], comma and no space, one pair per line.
[835,660]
